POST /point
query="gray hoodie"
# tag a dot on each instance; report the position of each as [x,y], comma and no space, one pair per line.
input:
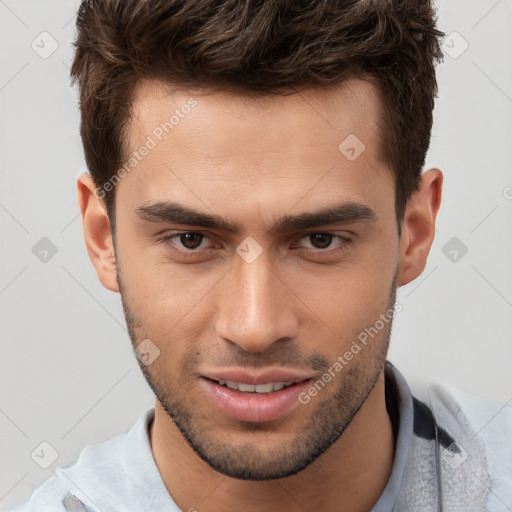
[453,453]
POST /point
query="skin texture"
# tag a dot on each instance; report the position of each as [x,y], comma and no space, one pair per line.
[252,162]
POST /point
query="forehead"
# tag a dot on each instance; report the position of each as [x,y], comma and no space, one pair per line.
[352,107]
[216,147]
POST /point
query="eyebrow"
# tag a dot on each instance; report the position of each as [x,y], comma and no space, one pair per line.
[167,211]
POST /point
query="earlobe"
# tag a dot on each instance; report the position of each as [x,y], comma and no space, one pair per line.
[97,232]
[418,228]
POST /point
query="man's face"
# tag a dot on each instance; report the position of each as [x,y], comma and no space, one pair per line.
[280,306]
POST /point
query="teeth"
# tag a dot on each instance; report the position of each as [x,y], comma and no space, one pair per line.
[259,388]
[263,388]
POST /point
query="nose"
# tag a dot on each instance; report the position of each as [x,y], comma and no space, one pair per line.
[256,307]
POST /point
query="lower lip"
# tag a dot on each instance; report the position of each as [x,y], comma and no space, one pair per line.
[254,407]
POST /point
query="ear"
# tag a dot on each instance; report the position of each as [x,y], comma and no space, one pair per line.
[418,227]
[97,233]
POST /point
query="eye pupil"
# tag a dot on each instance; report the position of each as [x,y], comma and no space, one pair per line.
[191,240]
[321,240]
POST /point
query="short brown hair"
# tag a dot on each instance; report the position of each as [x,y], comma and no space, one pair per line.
[258,47]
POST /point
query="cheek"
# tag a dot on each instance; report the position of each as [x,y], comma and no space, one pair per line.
[345,300]
[177,338]
[351,293]
[161,291]
[168,307]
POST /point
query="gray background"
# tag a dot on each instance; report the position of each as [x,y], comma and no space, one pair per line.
[67,373]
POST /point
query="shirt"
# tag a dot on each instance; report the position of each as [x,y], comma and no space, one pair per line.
[453,453]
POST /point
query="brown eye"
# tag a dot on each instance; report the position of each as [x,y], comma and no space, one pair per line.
[191,245]
[322,244]
[191,240]
[320,240]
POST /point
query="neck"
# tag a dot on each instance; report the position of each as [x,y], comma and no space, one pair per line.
[352,472]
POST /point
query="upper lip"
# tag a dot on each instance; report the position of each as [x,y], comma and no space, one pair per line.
[255,377]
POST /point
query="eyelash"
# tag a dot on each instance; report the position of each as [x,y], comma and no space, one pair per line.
[168,240]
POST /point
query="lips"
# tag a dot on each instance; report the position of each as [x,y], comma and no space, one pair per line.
[263,376]
[261,396]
